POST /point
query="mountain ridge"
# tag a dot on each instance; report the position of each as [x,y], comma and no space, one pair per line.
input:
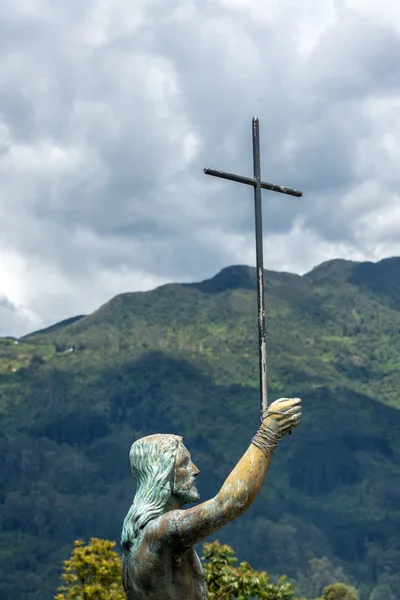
[243,276]
[183,358]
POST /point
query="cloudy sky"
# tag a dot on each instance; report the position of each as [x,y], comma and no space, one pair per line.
[110,110]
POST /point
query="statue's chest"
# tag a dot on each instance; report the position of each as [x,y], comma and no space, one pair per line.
[167,575]
[187,572]
[184,560]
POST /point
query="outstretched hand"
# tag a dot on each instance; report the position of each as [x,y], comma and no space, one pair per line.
[283,415]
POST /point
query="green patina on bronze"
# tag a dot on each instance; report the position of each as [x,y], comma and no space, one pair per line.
[158,537]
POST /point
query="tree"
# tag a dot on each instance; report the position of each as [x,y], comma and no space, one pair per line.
[339,591]
[226,582]
[92,573]
[319,575]
[382,592]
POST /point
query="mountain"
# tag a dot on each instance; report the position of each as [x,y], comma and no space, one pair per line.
[183,359]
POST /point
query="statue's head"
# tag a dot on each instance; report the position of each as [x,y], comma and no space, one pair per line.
[163,468]
[165,476]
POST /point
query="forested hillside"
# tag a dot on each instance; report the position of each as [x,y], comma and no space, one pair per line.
[183,359]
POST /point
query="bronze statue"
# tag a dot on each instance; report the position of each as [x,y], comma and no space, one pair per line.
[158,536]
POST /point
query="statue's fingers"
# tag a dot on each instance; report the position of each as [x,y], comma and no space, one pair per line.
[296,402]
[293,417]
[296,410]
[277,404]
[293,409]
[291,423]
[286,403]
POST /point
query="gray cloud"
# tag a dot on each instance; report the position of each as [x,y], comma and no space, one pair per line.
[110,110]
[13,318]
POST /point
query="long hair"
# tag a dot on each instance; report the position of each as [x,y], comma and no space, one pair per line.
[152,461]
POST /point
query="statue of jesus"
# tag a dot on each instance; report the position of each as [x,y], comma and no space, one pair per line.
[158,536]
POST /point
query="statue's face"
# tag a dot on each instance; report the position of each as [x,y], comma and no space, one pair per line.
[184,487]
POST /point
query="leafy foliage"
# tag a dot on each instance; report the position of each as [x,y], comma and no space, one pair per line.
[183,359]
[92,573]
[226,581]
[339,591]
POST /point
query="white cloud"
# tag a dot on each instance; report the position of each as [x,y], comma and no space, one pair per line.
[385,12]
[109,111]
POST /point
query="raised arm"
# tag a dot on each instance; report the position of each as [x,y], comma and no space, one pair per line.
[241,487]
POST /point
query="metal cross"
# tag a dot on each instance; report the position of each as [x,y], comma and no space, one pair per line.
[258,185]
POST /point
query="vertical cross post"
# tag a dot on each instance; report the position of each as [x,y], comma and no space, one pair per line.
[262,345]
[258,185]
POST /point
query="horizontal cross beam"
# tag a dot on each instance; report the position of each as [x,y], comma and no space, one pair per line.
[252,181]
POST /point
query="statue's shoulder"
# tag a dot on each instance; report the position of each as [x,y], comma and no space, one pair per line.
[163,529]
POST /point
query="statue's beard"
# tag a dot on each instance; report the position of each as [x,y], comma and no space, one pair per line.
[187,495]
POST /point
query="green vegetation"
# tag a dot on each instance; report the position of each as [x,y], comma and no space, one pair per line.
[183,359]
[93,572]
[339,591]
[226,581]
